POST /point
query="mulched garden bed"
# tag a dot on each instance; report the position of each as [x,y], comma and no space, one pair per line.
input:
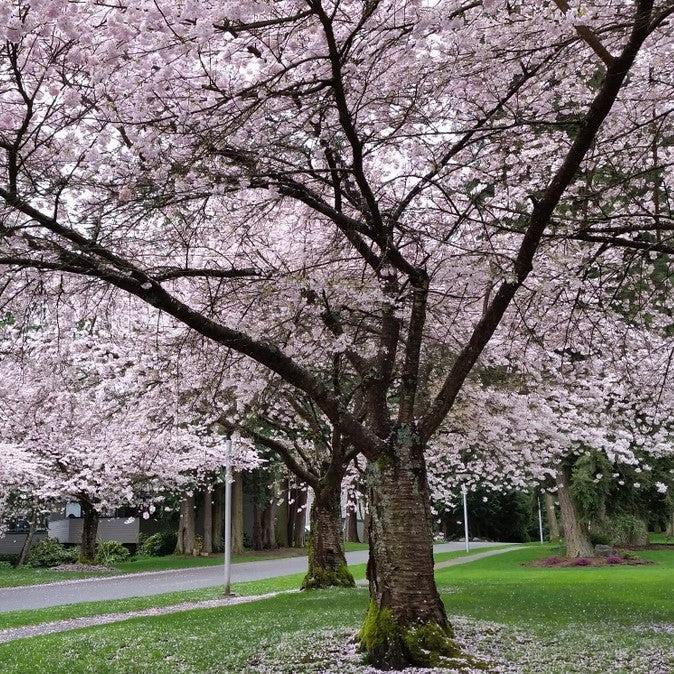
[619,559]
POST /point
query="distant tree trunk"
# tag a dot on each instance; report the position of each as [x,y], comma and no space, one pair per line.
[257,527]
[185,544]
[352,526]
[268,520]
[553,524]
[207,507]
[576,535]
[25,548]
[670,526]
[298,515]
[237,514]
[406,622]
[327,562]
[89,533]
[218,518]
[282,517]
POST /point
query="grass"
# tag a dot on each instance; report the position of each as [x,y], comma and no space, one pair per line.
[567,610]
[280,584]
[661,539]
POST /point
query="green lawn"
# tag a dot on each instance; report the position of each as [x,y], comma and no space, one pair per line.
[661,538]
[556,620]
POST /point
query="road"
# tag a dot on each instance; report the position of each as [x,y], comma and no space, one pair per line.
[159,582]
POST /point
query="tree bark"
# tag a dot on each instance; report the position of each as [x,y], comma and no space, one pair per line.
[576,535]
[257,527]
[282,519]
[207,507]
[89,533]
[551,515]
[327,561]
[219,519]
[670,527]
[268,528]
[25,548]
[406,623]
[237,514]
[298,514]
[352,526]
[185,544]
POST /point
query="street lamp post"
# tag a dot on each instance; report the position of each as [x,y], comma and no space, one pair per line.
[464,491]
[228,516]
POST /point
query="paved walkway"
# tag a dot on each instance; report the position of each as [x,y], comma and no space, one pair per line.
[13,633]
[160,582]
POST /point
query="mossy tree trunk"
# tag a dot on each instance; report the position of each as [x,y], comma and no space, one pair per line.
[327,561]
[551,515]
[89,533]
[406,623]
[218,518]
[576,535]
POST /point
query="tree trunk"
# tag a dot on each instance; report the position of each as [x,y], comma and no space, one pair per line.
[670,527]
[237,514]
[25,548]
[257,527]
[282,517]
[185,544]
[89,533]
[551,515]
[327,562]
[352,526]
[218,534]
[576,535]
[298,514]
[207,507]
[268,528]
[406,622]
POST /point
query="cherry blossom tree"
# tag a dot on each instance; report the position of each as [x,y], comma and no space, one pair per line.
[371,179]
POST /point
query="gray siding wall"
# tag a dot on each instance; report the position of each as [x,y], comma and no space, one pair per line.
[109,529]
[11,544]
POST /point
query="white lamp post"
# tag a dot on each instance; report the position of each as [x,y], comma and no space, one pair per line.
[464,491]
[228,516]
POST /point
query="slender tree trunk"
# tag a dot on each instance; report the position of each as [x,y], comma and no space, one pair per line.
[207,507]
[25,548]
[257,527]
[218,518]
[282,517]
[185,544]
[327,561]
[352,526]
[237,514]
[89,533]
[268,525]
[299,517]
[670,526]
[551,515]
[406,622]
[576,535]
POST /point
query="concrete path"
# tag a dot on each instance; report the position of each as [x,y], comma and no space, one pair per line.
[160,582]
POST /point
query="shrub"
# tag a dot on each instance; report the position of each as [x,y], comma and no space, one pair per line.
[111,552]
[552,561]
[582,561]
[49,552]
[628,530]
[159,544]
[614,559]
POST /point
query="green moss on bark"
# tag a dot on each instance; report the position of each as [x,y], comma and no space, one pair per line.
[319,578]
[390,646]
